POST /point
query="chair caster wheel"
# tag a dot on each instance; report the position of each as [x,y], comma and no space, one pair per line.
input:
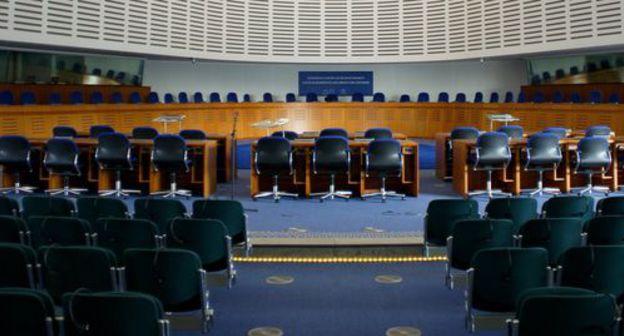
[402,198]
[254,199]
[321,200]
[276,201]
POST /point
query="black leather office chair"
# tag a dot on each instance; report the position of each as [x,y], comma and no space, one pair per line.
[170,155]
[96,130]
[384,158]
[492,153]
[593,156]
[144,132]
[193,134]
[334,132]
[61,158]
[15,159]
[598,131]
[512,131]
[543,154]
[458,133]
[331,156]
[273,156]
[558,131]
[290,135]
[64,132]
[378,133]
[114,152]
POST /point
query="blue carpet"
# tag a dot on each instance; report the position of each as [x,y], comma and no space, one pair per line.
[426,154]
[339,299]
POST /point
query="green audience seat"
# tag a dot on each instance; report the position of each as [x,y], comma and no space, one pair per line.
[470,236]
[8,206]
[174,276]
[599,268]
[68,268]
[93,208]
[517,209]
[440,217]
[26,312]
[113,313]
[613,205]
[231,213]
[160,211]
[14,230]
[556,235]
[606,230]
[569,206]
[17,266]
[46,206]
[67,231]
[499,276]
[119,234]
[208,238]
[564,311]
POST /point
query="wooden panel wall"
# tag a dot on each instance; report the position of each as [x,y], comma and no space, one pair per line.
[43,91]
[421,120]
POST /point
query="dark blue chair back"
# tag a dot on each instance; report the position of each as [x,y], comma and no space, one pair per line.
[198,97]
[28,98]
[76,98]
[512,131]
[64,132]
[97,97]
[291,98]
[591,67]
[379,97]
[575,98]
[110,74]
[521,98]
[214,97]
[135,98]
[357,97]
[538,97]
[144,132]
[559,74]
[378,133]
[405,98]
[478,97]
[232,97]
[169,98]
[96,130]
[96,72]
[443,97]
[460,97]
[152,98]
[574,70]
[546,76]
[193,134]
[598,130]
[557,97]
[183,98]
[560,132]
[267,97]
[55,99]
[614,98]
[509,98]
[494,98]
[247,98]
[423,97]
[311,97]
[290,135]
[334,132]
[595,97]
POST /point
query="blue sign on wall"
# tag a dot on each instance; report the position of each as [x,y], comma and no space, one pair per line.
[342,83]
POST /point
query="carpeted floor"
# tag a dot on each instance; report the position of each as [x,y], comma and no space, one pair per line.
[339,299]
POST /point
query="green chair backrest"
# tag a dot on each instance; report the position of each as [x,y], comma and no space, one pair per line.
[46,206]
[111,313]
[171,275]
[606,230]
[12,229]
[206,237]
[68,268]
[93,208]
[231,213]
[599,268]
[569,206]
[8,206]
[613,205]
[118,235]
[24,312]
[443,213]
[566,312]
[159,211]
[18,263]
[556,235]
[470,236]
[48,230]
[502,274]
[517,209]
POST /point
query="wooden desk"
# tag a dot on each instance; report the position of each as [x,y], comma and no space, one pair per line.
[143,177]
[305,182]
[352,136]
[515,178]
[43,91]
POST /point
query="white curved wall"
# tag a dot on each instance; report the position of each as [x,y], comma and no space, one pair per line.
[317,31]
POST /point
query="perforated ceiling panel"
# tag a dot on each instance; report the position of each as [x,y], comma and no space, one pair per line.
[334,31]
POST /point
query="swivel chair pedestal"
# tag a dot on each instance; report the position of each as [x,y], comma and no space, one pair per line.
[66,190]
[173,189]
[332,193]
[118,191]
[17,187]
[541,190]
[590,188]
[491,193]
[275,193]
[383,193]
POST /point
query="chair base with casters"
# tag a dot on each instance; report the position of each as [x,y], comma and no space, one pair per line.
[118,191]
[18,188]
[541,190]
[332,193]
[275,193]
[489,192]
[66,190]
[590,188]
[383,193]
[173,190]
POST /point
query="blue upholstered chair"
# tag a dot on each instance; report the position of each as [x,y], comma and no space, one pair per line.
[574,70]
[311,97]
[460,97]
[76,98]
[169,98]
[135,98]
[494,98]
[152,98]
[231,97]
[546,76]
[97,97]
[509,97]
[379,97]
[267,97]
[521,98]
[405,98]
[559,73]
[557,97]
[478,97]
[614,98]
[595,97]
[538,97]
[357,97]
[198,97]
[214,97]
[246,98]
[28,98]
[575,98]
[183,98]
[55,99]
[443,97]
[423,97]
[291,98]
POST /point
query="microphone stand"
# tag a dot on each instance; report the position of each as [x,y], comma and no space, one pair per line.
[233,149]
